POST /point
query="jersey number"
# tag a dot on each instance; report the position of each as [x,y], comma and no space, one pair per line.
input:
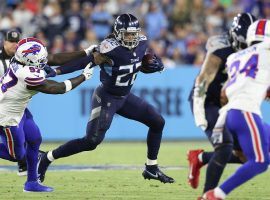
[250,68]
[130,68]
[13,80]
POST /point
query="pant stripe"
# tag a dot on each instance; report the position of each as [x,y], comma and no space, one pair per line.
[10,142]
[255,136]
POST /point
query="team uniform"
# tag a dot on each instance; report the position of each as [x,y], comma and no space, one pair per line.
[221,47]
[16,122]
[249,78]
[113,96]
[206,104]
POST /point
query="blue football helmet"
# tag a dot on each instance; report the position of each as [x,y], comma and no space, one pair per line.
[127,30]
[238,30]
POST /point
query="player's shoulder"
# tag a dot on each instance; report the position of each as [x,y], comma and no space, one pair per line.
[142,38]
[217,42]
[108,44]
[31,75]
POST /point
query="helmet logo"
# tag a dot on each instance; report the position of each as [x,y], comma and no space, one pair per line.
[34,49]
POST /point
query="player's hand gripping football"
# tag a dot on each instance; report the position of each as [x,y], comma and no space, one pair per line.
[151,63]
[198,107]
[88,71]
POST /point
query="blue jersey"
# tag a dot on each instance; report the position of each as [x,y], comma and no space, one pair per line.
[119,77]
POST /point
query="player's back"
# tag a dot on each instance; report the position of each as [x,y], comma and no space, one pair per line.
[249,77]
[14,95]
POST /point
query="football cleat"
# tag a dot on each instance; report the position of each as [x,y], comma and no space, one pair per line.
[35,186]
[153,172]
[43,165]
[194,167]
[210,196]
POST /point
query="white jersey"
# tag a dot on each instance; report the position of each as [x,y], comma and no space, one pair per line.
[14,95]
[249,78]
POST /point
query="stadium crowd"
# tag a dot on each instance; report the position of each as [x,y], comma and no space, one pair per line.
[176,29]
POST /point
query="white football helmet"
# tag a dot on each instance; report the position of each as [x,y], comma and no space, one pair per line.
[258,31]
[30,51]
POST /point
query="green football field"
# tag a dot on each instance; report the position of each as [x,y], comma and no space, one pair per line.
[113,171]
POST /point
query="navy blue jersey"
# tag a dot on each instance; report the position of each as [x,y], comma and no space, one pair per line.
[221,47]
[119,78]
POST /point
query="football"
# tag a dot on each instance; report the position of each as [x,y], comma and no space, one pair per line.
[147,59]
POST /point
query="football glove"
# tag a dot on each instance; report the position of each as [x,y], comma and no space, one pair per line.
[50,72]
[198,106]
[155,65]
[88,71]
[90,49]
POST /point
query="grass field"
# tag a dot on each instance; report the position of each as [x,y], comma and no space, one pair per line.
[124,183]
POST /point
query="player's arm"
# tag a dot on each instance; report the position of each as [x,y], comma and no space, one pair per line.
[53,87]
[208,72]
[62,58]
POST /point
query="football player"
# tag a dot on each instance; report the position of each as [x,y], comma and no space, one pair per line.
[249,79]
[124,50]
[205,103]
[12,37]
[24,78]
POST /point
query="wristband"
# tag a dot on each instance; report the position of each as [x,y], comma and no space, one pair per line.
[68,85]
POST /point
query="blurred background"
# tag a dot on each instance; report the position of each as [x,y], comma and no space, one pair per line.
[176,29]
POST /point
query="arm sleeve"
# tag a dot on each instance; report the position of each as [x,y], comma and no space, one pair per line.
[76,65]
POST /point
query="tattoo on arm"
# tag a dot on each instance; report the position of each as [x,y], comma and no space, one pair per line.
[209,70]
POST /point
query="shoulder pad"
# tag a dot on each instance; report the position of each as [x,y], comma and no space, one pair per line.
[108,45]
[142,37]
[217,42]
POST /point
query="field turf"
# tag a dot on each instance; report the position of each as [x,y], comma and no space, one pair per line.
[116,174]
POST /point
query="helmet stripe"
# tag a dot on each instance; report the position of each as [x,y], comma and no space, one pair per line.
[261,27]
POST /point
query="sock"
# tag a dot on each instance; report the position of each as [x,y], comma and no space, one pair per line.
[5,154]
[153,144]
[151,162]
[32,161]
[50,156]
[219,193]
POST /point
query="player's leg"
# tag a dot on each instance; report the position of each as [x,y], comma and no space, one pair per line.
[137,109]
[33,140]
[104,107]
[6,145]
[251,135]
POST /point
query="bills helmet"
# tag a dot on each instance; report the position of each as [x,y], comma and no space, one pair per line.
[30,51]
[259,31]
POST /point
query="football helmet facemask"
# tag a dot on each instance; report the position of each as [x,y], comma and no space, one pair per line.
[127,30]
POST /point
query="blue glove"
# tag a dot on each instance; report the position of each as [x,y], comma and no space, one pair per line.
[155,65]
[49,71]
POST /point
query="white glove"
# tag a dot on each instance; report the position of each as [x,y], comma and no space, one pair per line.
[90,49]
[198,109]
[88,71]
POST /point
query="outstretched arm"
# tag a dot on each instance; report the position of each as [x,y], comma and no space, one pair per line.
[53,87]
[62,58]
